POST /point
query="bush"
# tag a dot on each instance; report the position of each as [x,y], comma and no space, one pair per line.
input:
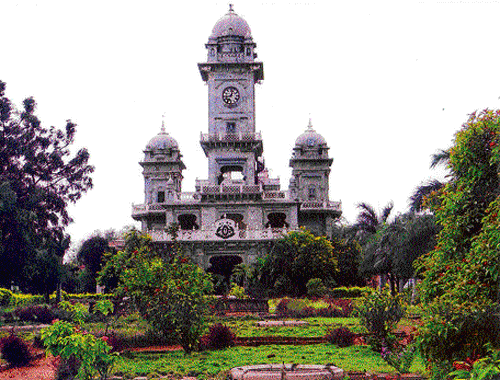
[380,312]
[35,313]
[15,351]
[218,336]
[340,336]
[316,288]
[5,297]
[238,292]
[352,292]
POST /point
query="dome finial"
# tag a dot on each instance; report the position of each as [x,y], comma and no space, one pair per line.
[163,123]
[310,125]
[231,7]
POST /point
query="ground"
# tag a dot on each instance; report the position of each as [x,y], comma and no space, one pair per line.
[42,368]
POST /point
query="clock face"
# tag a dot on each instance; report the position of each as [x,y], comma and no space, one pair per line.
[230,96]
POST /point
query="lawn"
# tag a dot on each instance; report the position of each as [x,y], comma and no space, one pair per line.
[210,363]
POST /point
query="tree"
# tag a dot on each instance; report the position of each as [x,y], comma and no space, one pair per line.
[39,177]
[295,259]
[461,275]
[348,251]
[169,290]
[91,254]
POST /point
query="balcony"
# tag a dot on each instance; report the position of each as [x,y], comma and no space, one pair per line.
[230,137]
[210,235]
[328,206]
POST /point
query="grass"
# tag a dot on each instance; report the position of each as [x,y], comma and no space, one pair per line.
[316,327]
[210,363]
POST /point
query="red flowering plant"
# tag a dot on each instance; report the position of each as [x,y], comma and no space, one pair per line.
[461,276]
[171,292]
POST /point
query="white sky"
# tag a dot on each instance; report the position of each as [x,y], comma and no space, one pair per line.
[386,83]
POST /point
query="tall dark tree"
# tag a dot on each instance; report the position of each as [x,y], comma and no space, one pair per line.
[91,254]
[39,178]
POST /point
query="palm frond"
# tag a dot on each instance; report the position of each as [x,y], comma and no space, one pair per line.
[440,158]
[386,211]
[416,201]
[367,219]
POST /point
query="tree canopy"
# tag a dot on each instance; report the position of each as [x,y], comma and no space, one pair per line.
[295,259]
[39,177]
[461,275]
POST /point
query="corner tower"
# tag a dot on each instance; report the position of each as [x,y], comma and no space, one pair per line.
[232,145]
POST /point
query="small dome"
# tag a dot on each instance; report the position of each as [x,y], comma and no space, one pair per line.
[162,141]
[310,138]
[231,25]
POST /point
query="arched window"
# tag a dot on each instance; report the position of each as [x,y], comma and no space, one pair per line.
[188,222]
[276,220]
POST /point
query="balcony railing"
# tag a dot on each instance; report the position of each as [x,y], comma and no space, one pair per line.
[318,205]
[210,235]
[230,137]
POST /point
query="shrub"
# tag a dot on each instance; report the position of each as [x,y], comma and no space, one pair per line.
[316,288]
[238,292]
[352,292]
[5,297]
[218,336]
[380,312]
[346,306]
[15,351]
[35,313]
[340,336]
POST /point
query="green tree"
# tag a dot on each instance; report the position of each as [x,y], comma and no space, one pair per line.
[91,254]
[39,178]
[295,259]
[348,251]
[461,275]
[170,291]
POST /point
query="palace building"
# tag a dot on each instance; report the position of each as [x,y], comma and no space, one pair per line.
[236,214]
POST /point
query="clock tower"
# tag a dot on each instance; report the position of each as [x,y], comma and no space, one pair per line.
[232,146]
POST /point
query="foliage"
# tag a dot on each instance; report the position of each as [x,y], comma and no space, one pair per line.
[171,293]
[349,254]
[90,255]
[295,259]
[380,312]
[15,351]
[461,276]
[303,308]
[39,178]
[218,336]
[79,312]
[340,336]
[486,368]
[399,357]
[70,342]
[5,297]
[316,288]
[351,292]
[237,292]
[35,313]
[392,250]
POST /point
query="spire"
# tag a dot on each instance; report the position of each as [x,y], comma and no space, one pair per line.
[163,124]
[231,10]
[310,126]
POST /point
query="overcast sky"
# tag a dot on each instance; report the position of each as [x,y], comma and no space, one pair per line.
[386,83]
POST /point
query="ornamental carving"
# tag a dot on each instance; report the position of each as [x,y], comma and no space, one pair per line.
[225,228]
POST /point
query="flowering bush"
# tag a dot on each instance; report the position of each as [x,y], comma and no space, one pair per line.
[171,293]
[399,357]
[461,276]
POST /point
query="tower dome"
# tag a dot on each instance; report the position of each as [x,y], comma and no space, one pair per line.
[310,138]
[231,25]
[162,141]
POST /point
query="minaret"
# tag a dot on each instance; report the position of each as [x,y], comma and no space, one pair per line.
[162,168]
[231,72]
[310,167]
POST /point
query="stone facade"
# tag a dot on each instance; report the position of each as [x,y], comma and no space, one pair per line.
[235,215]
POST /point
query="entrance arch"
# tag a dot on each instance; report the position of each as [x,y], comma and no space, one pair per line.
[221,266]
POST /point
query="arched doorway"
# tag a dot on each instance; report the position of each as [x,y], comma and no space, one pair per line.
[221,267]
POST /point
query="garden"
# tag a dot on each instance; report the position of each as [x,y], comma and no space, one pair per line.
[431,310]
